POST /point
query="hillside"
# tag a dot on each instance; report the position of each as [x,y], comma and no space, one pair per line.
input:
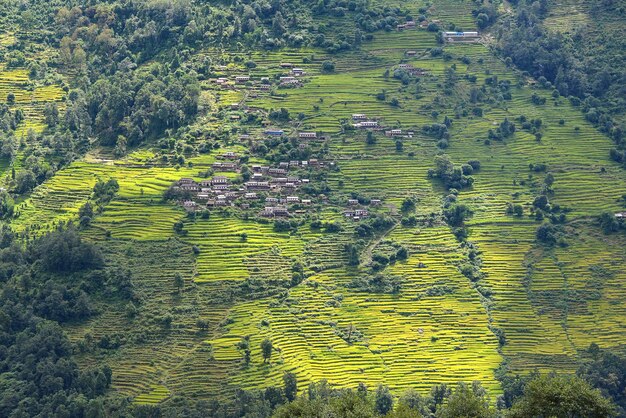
[467,234]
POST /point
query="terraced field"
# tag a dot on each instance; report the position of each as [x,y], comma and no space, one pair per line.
[545,303]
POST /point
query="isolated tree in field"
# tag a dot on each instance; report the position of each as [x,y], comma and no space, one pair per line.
[384,400]
[266,349]
[371,139]
[291,386]
[179,282]
[328,66]
[561,396]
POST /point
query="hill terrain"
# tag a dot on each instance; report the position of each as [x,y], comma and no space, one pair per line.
[469,233]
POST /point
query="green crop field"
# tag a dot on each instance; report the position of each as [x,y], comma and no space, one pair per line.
[530,307]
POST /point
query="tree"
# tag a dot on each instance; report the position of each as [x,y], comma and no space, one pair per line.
[383,400]
[328,66]
[561,396]
[266,349]
[26,181]
[179,282]
[291,386]
[466,401]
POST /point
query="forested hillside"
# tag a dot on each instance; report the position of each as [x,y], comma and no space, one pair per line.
[312,208]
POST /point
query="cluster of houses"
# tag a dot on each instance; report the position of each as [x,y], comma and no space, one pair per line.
[413,25]
[356,212]
[272,185]
[265,83]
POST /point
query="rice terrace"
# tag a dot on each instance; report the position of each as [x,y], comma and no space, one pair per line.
[333,208]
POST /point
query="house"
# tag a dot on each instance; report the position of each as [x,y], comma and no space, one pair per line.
[221,187]
[289,185]
[190,187]
[290,82]
[280,211]
[256,168]
[244,137]
[353,202]
[359,116]
[307,135]
[221,200]
[242,79]
[286,65]
[205,183]
[244,206]
[367,124]
[271,200]
[424,24]
[313,162]
[257,176]
[620,215]
[235,117]
[210,203]
[361,212]
[294,164]
[274,132]
[306,201]
[375,202]
[411,53]
[202,196]
[461,36]
[284,165]
[224,166]
[279,180]
[288,79]
[265,87]
[298,72]
[230,155]
[394,132]
[271,211]
[257,185]
[277,172]
[251,196]
[401,27]
[410,24]
[293,199]
[189,205]
[265,80]
[185,181]
[234,106]
[219,180]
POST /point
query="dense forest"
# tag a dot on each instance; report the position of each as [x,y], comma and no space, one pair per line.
[132,83]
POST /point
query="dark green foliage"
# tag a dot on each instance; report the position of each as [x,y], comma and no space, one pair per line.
[291,386]
[449,174]
[457,214]
[550,396]
[377,283]
[606,371]
[267,348]
[384,400]
[65,252]
[467,401]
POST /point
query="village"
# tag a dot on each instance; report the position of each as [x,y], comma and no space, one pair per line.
[293,78]
[270,192]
